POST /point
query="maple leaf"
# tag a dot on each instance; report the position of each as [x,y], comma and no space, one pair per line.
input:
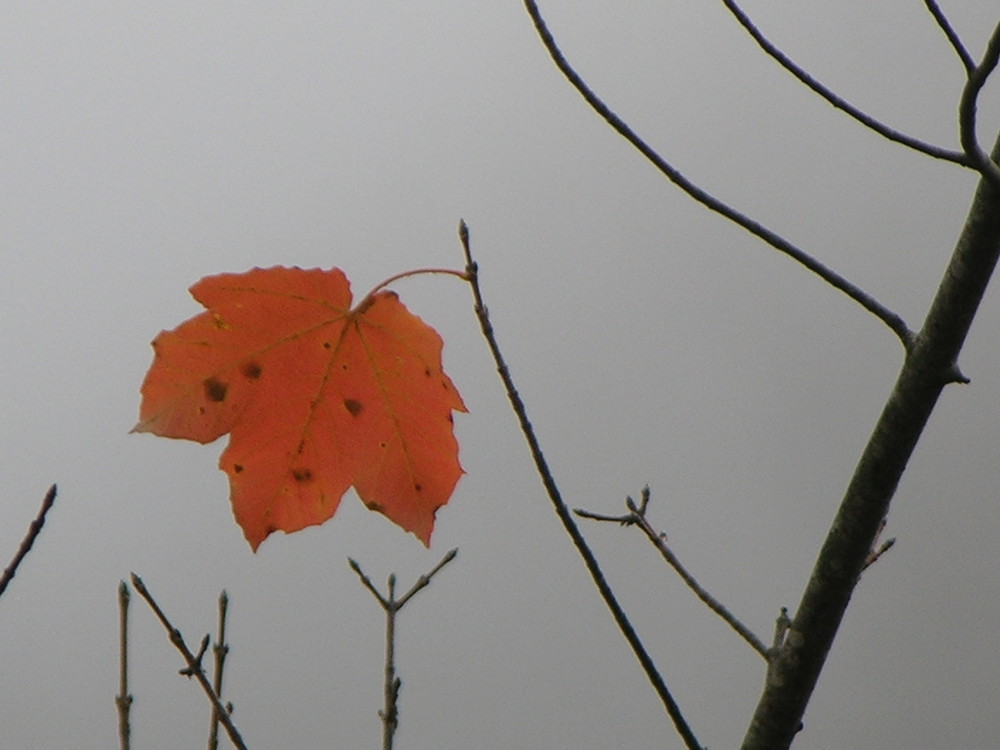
[317,397]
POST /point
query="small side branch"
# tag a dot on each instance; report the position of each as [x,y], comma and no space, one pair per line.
[967,110]
[779,243]
[392,684]
[29,539]
[949,32]
[220,651]
[562,510]
[193,668]
[836,101]
[636,516]
[123,701]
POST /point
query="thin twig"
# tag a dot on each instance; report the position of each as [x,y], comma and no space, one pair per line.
[193,668]
[391,684]
[220,650]
[876,308]
[956,43]
[957,157]
[563,512]
[636,516]
[967,110]
[123,700]
[29,539]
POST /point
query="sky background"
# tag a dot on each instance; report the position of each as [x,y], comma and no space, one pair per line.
[147,144]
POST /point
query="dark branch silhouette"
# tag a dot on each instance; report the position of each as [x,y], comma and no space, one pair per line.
[887,316]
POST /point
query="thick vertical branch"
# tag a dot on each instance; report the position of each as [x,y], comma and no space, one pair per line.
[931,363]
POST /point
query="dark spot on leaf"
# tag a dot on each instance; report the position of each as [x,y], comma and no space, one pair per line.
[353,406]
[427,372]
[383,445]
[238,468]
[251,370]
[375,507]
[215,390]
[302,475]
[417,486]
[201,409]
[327,345]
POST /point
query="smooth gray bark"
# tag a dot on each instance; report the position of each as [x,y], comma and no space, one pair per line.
[930,365]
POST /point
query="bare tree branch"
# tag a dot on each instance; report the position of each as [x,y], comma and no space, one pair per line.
[123,701]
[967,110]
[193,668]
[930,365]
[392,684]
[562,510]
[887,316]
[956,157]
[636,516]
[29,539]
[956,43]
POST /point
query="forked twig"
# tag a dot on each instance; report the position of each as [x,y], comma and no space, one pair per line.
[193,668]
[636,516]
[956,157]
[390,711]
[29,539]
[562,510]
[779,243]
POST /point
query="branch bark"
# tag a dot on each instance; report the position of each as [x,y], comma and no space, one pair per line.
[930,365]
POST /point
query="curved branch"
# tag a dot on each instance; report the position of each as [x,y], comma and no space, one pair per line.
[967,110]
[956,43]
[956,157]
[887,316]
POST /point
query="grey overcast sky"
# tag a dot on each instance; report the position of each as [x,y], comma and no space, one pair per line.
[147,144]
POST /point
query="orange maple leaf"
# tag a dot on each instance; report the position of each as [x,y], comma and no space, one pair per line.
[317,397]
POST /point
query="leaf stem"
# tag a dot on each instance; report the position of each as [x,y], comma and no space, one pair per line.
[562,510]
[367,299]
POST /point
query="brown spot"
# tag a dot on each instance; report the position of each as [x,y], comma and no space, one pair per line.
[215,390]
[427,372]
[353,406]
[375,507]
[327,345]
[201,409]
[251,370]
[219,322]
[417,486]
[302,475]
[238,468]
